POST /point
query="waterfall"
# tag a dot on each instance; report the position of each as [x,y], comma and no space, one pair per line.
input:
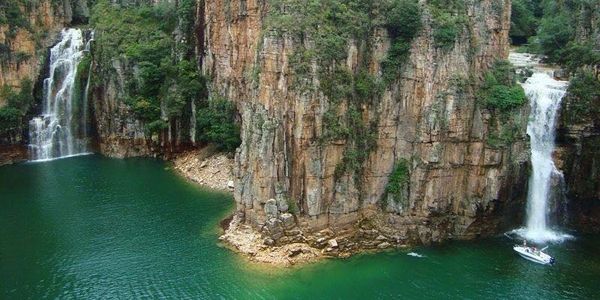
[61,130]
[545,95]
[84,119]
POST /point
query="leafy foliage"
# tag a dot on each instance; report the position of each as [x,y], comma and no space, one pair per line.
[143,35]
[449,18]
[11,15]
[584,99]
[500,91]
[216,124]
[523,20]
[559,33]
[403,22]
[11,115]
[398,179]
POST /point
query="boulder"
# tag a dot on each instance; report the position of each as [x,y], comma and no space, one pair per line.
[230,184]
[332,243]
[271,208]
[273,228]
[384,245]
[282,204]
[287,221]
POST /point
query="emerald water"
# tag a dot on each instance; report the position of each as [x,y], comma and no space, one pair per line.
[91,227]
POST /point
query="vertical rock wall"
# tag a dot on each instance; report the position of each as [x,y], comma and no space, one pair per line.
[578,138]
[458,187]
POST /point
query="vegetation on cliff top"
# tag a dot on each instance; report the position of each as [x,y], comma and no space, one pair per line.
[563,31]
[502,94]
[449,19]
[560,30]
[165,78]
[584,107]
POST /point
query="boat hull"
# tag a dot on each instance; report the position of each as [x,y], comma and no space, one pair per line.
[540,257]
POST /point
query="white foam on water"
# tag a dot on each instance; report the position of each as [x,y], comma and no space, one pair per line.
[414,254]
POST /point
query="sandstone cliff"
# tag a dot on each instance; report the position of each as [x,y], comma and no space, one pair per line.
[427,118]
[578,138]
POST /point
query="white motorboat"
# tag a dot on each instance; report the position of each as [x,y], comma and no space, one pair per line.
[535,255]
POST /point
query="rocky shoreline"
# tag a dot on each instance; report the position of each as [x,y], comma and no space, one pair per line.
[284,239]
[206,167]
[298,244]
[11,154]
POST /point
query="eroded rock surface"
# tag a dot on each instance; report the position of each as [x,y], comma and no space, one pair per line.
[459,186]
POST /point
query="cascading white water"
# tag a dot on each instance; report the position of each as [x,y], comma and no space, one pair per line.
[56,133]
[545,95]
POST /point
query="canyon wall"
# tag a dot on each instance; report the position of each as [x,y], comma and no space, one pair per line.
[578,137]
[125,52]
[427,123]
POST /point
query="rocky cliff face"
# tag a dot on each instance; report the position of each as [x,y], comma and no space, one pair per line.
[426,119]
[123,131]
[578,135]
[579,145]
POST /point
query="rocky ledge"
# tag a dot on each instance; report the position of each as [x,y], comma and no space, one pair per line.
[285,241]
[10,154]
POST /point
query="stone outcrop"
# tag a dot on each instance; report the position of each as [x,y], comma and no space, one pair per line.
[459,187]
[579,159]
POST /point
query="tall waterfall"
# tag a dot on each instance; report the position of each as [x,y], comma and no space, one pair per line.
[61,130]
[545,95]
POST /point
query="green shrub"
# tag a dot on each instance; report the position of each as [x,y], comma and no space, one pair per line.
[449,18]
[292,206]
[403,19]
[11,15]
[500,91]
[523,20]
[503,98]
[145,110]
[216,125]
[403,23]
[583,98]
[17,105]
[166,78]
[576,55]
[337,85]
[10,119]
[366,86]
[156,126]
[398,179]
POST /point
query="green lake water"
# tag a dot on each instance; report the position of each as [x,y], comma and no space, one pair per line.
[96,228]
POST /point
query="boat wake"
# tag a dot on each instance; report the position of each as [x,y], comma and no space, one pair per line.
[414,254]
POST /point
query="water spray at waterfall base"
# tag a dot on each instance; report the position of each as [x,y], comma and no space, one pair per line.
[545,95]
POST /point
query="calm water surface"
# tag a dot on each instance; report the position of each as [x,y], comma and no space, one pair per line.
[92,227]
